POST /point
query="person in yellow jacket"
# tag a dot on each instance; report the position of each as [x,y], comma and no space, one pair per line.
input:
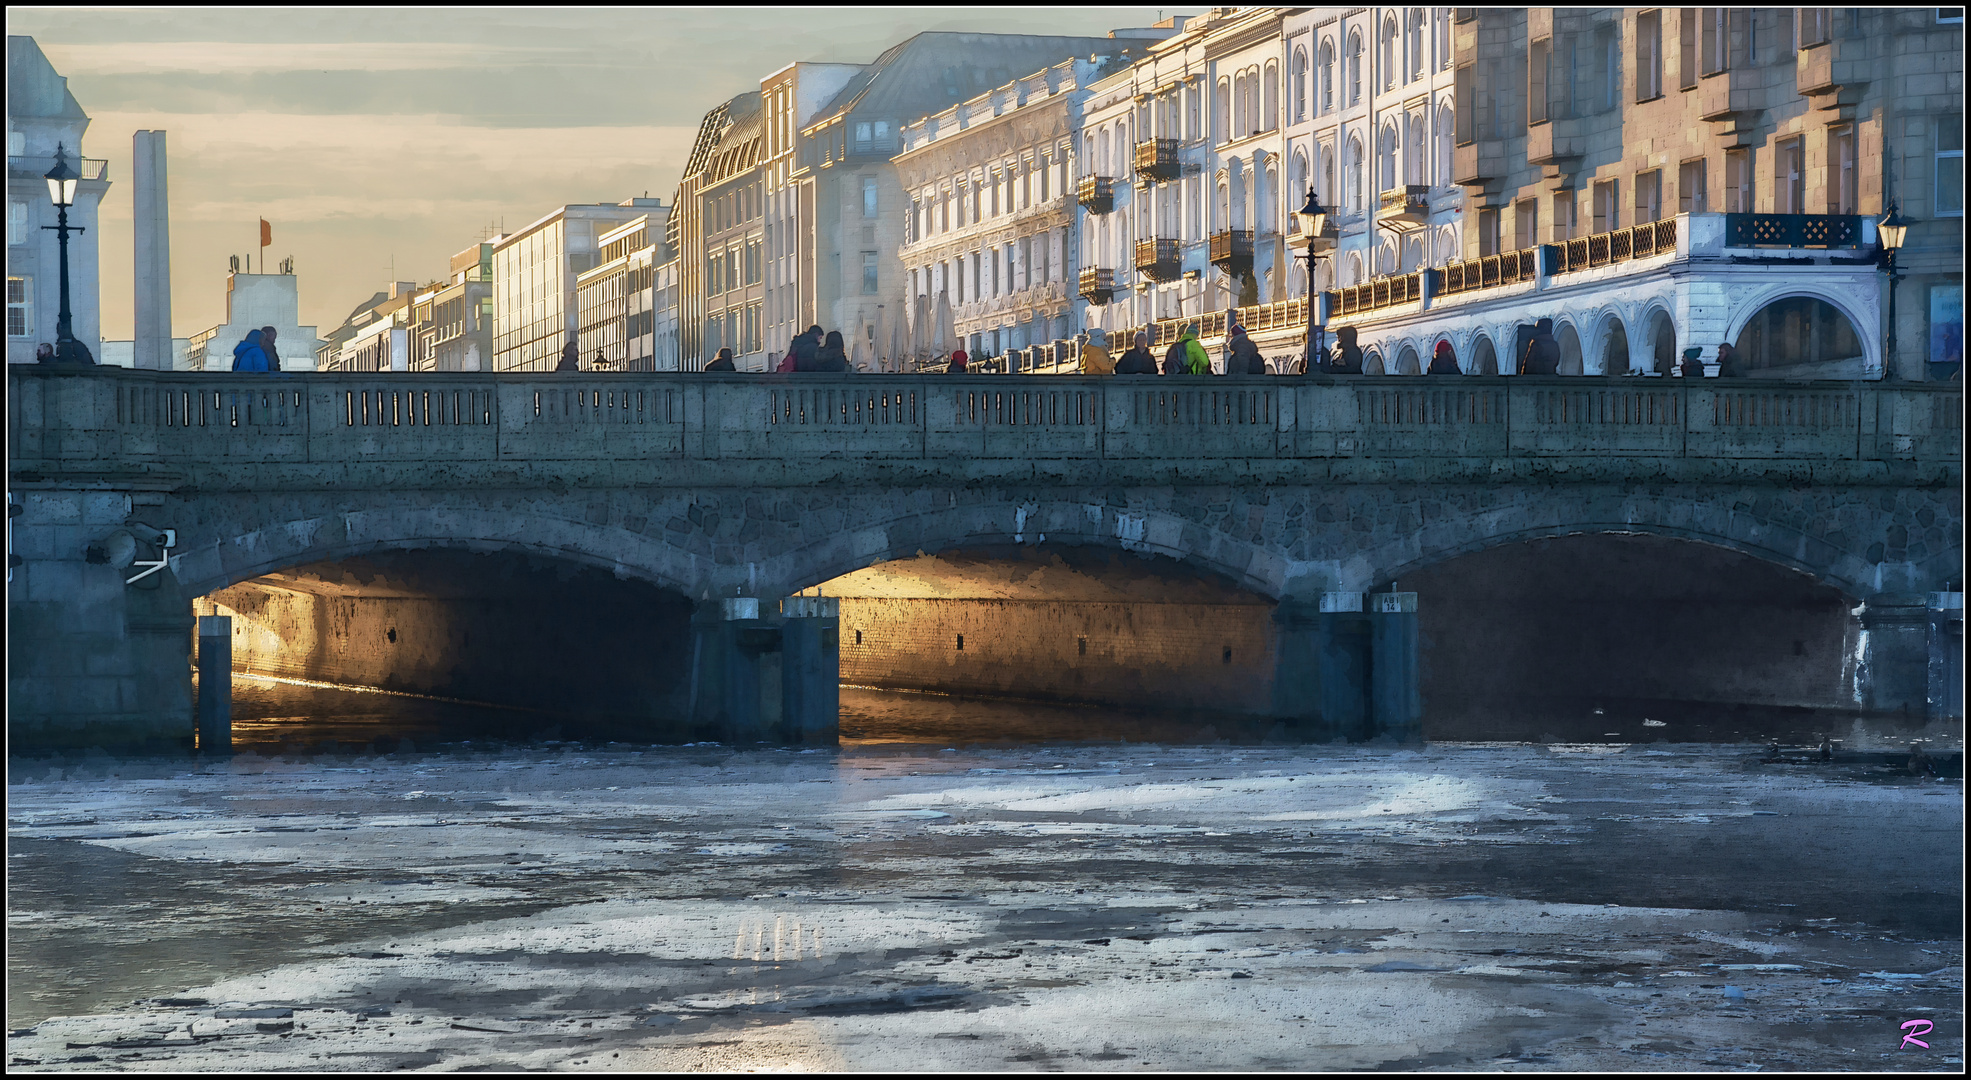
[1187,357]
[1095,358]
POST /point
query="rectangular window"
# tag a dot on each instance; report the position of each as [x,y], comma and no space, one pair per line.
[868,196]
[1563,216]
[1738,182]
[882,135]
[1715,40]
[1649,55]
[1525,224]
[1687,48]
[1790,177]
[1950,14]
[1739,31]
[17,221]
[1536,80]
[1649,196]
[1691,195]
[1608,212]
[862,135]
[1950,165]
[1462,92]
[1488,232]
[868,273]
[1815,25]
[1609,60]
[20,307]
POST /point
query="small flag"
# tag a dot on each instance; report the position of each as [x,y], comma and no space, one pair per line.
[266,233]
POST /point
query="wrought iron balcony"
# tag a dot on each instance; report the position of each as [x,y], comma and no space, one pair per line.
[1601,249]
[1405,206]
[1158,259]
[1376,293]
[1231,251]
[1096,194]
[1098,286]
[1156,159]
[1793,230]
[1487,272]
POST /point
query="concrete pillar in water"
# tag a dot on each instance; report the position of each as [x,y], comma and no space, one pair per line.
[1396,694]
[735,690]
[1894,674]
[1946,654]
[1297,668]
[811,669]
[215,684]
[1342,647]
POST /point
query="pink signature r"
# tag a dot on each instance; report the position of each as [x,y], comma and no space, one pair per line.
[1911,1036]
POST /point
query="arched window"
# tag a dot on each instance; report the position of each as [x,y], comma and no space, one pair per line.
[1386,160]
[1415,162]
[1269,105]
[1224,202]
[1324,168]
[1355,173]
[1269,196]
[1354,268]
[1241,117]
[1355,67]
[1443,18]
[1237,218]
[1389,53]
[1416,65]
[1446,127]
[1297,178]
[1385,259]
[1299,75]
[1102,153]
[1327,98]
[1224,110]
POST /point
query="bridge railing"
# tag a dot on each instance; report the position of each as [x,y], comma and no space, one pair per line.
[78,419]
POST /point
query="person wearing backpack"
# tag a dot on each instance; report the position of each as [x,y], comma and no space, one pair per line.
[248,355]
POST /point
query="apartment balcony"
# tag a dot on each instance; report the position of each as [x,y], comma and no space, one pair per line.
[1487,272]
[1404,208]
[1231,251]
[1098,286]
[1622,245]
[1832,74]
[1097,194]
[1794,230]
[1733,100]
[1479,164]
[1556,144]
[1158,259]
[1156,159]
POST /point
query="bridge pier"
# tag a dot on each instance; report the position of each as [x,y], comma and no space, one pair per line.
[1344,673]
[761,675]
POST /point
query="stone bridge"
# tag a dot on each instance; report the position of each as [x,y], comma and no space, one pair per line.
[718,487]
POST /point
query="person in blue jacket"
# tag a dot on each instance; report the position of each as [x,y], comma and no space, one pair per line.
[248,355]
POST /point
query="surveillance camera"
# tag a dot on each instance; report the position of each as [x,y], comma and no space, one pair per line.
[118,549]
[153,537]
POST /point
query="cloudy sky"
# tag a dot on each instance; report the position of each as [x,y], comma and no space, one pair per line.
[378,135]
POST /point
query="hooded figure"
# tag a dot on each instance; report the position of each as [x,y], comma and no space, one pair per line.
[1244,358]
[1095,358]
[267,346]
[1137,361]
[832,356]
[793,351]
[721,362]
[248,356]
[1729,365]
[571,358]
[1542,351]
[1348,355]
[1444,361]
[1187,357]
[1692,367]
[957,365]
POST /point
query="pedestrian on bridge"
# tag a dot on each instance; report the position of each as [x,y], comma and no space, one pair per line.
[1095,358]
[1444,361]
[1542,351]
[267,346]
[721,362]
[44,353]
[571,358]
[1729,365]
[248,355]
[1187,357]
[1348,355]
[832,356]
[957,364]
[1244,358]
[1692,367]
[807,348]
[1138,361]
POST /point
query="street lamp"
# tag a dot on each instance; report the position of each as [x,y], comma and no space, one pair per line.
[1891,230]
[1313,221]
[61,191]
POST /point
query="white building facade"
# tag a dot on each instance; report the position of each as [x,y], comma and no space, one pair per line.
[43,116]
[534,275]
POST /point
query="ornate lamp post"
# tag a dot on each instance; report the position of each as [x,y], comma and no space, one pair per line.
[1313,220]
[61,191]
[1891,230]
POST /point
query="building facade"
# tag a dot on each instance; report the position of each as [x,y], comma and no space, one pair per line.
[451,325]
[42,117]
[791,98]
[534,274]
[356,346]
[991,215]
[253,302]
[618,301]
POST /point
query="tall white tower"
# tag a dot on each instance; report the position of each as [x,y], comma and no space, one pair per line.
[151,346]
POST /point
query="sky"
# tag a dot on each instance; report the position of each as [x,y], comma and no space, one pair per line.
[381,139]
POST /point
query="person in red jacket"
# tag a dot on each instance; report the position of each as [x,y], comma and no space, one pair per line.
[957,365]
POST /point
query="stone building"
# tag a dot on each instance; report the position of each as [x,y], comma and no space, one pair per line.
[451,325]
[727,136]
[42,116]
[1652,180]
[534,274]
[254,301]
[618,300]
[334,354]
[991,216]
[791,98]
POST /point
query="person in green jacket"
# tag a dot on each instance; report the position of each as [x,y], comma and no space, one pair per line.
[1194,359]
